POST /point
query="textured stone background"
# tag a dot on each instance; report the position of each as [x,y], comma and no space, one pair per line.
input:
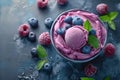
[15,55]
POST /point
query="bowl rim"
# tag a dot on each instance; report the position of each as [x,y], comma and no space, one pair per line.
[72,60]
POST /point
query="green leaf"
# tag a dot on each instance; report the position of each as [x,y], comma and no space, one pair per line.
[41,52]
[86,78]
[87,25]
[105,18]
[113,15]
[93,41]
[40,64]
[112,25]
[107,78]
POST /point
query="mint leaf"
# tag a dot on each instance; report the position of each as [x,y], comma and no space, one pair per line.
[107,78]
[87,25]
[41,52]
[93,41]
[86,78]
[105,18]
[112,25]
[40,64]
[113,15]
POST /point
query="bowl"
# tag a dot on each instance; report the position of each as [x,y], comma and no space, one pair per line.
[73,60]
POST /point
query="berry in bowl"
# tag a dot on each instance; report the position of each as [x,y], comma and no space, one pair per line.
[78,36]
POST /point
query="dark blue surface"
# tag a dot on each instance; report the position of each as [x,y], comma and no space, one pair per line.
[15,56]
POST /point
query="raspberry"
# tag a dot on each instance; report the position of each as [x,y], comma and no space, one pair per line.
[62,2]
[44,38]
[102,8]
[90,70]
[42,3]
[109,49]
[23,30]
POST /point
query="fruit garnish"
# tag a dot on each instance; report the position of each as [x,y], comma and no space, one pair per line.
[48,22]
[42,3]
[33,22]
[23,30]
[47,66]
[68,19]
[77,21]
[90,70]
[61,31]
[34,53]
[92,32]
[32,37]
[102,8]
[109,49]
[86,49]
[41,52]
[108,18]
[44,39]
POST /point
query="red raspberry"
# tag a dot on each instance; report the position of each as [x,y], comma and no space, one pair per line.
[90,70]
[109,49]
[24,30]
[44,38]
[62,2]
[102,8]
[42,3]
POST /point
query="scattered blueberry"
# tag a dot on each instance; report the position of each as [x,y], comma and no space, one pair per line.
[48,22]
[86,49]
[47,66]
[34,53]
[68,19]
[32,36]
[33,22]
[77,21]
[67,26]
[92,32]
[61,31]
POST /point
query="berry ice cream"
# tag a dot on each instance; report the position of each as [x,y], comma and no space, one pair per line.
[70,37]
[76,37]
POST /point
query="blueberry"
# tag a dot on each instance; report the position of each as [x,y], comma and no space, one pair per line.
[86,49]
[61,31]
[77,21]
[47,67]
[48,22]
[92,32]
[34,53]
[32,37]
[68,19]
[67,26]
[33,22]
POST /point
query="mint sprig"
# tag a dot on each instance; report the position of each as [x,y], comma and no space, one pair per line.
[107,78]
[113,15]
[92,39]
[87,25]
[41,52]
[86,78]
[109,19]
[40,64]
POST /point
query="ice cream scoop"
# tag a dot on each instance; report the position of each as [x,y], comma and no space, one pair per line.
[76,37]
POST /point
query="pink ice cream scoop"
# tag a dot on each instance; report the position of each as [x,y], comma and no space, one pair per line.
[76,37]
